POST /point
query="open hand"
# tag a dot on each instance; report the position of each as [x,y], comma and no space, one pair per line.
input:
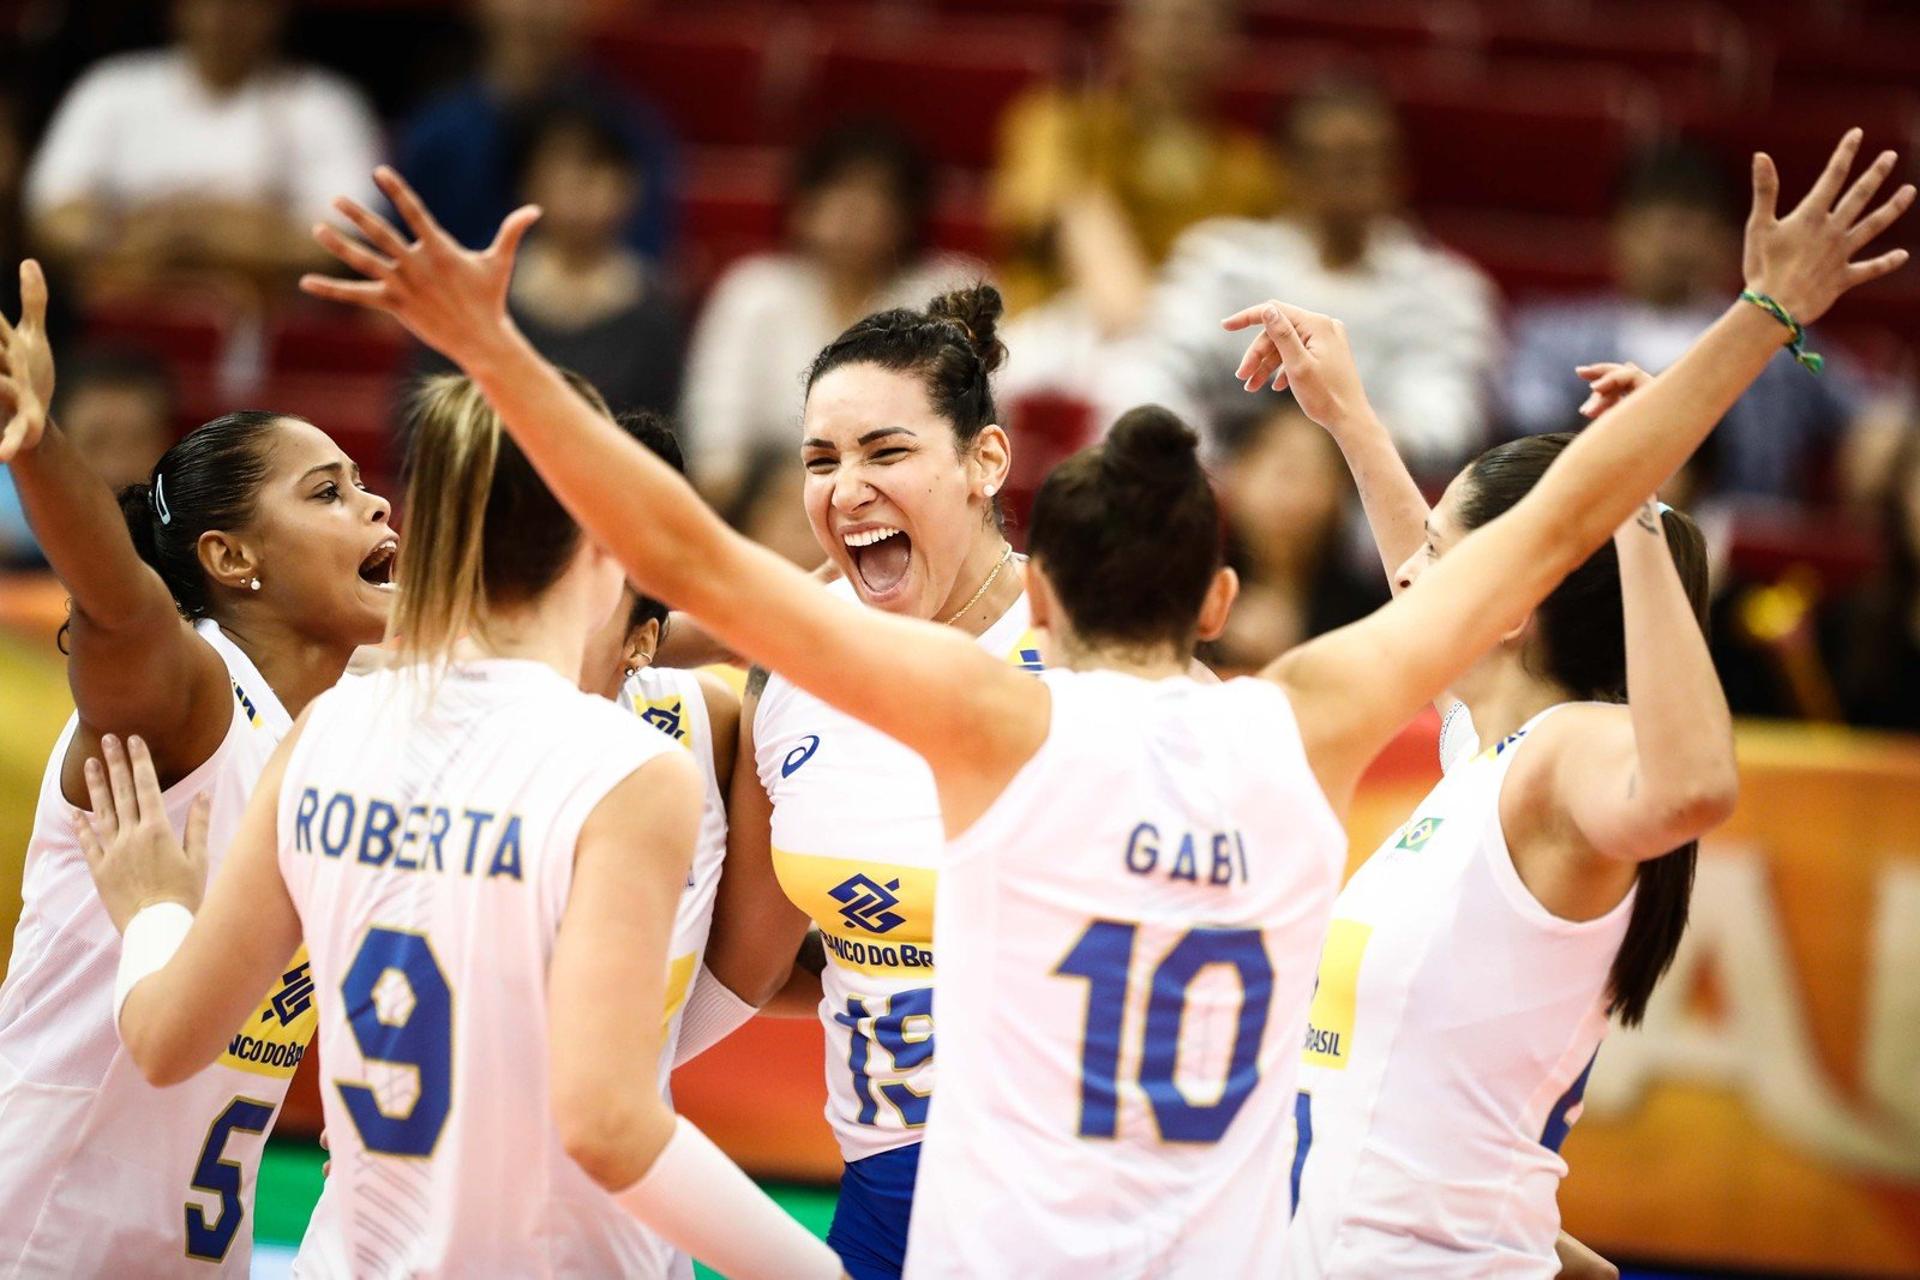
[129,844]
[26,367]
[1609,383]
[450,297]
[1804,260]
[1303,350]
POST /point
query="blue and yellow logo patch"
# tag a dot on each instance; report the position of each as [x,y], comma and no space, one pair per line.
[274,1038]
[668,715]
[868,905]
[1336,994]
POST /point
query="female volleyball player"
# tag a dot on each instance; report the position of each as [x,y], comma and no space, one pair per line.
[486,861]
[831,819]
[1109,1099]
[207,608]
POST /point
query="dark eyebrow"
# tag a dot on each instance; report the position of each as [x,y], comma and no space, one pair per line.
[878,433]
[311,472]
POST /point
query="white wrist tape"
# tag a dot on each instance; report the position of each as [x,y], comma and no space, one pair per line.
[712,1014]
[152,936]
[698,1199]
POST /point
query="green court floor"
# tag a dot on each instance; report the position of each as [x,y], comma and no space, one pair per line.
[290,1183]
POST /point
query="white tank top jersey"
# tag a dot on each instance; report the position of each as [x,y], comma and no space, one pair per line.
[1133,926]
[427,831]
[857,837]
[672,702]
[1453,1026]
[104,1174]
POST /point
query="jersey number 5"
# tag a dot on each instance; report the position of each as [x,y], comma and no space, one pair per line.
[400,1010]
[1103,957]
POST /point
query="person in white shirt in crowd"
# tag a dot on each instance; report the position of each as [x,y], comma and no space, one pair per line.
[210,157]
[857,227]
[1421,319]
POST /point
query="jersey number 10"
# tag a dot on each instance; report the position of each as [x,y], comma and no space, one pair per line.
[1103,957]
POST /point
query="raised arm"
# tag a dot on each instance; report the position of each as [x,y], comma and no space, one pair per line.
[135,665]
[1326,386]
[190,980]
[1354,688]
[1639,785]
[975,720]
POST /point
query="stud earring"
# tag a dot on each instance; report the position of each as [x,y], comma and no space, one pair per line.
[253,584]
[992,489]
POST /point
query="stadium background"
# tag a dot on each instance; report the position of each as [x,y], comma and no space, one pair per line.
[1768,1116]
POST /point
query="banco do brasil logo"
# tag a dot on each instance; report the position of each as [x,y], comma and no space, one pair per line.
[867,904]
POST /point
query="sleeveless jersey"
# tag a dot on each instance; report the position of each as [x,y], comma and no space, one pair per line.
[856,840]
[1130,931]
[672,702]
[105,1174]
[427,832]
[1452,1030]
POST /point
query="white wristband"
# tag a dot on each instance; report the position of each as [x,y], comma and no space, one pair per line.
[712,1014]
[151,938]
[698,1199]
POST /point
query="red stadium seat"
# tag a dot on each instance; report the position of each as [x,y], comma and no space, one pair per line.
[946,86]
[1528,255]
[730,206]
[1362,23]
[333,340]
[191,333]
[720,78]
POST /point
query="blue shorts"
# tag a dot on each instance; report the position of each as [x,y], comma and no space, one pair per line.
[869,1229]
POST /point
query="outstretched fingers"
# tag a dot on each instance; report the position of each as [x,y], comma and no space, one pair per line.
[1827,188]
[1873,268]
[1880,219]
[352,252]
[378,231]
[512,231]
[413,211]
[357,293]
[33,295]
[1851,204]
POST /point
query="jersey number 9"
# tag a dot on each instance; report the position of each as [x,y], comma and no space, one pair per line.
[401,1012]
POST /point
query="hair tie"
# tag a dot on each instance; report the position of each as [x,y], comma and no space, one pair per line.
[157,496]
[1662,507]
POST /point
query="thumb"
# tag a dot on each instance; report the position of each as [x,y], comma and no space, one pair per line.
[33,294]
[507,242]
[1292,348]
[1766,189]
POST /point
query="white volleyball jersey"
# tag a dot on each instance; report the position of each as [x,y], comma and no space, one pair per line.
[1130,932]
[427,833]
[103,1173]
[1453,1026]
[673,702]
[856,839]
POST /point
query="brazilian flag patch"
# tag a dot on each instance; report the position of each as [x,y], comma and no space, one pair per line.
[1418,833]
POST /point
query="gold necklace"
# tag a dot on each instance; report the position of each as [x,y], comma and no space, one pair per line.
[1005,558]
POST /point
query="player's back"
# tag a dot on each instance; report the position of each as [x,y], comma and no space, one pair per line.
[1134,923]
[427,832]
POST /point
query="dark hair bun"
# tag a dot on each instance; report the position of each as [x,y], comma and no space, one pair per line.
[136,508]
[1151,448]
[976,309]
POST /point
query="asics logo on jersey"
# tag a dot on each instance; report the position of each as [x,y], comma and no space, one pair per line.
[868,904]
[799,756]
[1030,660]
[294,997]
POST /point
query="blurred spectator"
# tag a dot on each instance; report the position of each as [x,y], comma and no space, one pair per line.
[1676,261]
[1093,185]
[856,222]
[118,408]
[465,148]
[768,505]
[13,235]
[581,295]
[1421,319]
[210,158]
[1283,482]
[1875,633]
